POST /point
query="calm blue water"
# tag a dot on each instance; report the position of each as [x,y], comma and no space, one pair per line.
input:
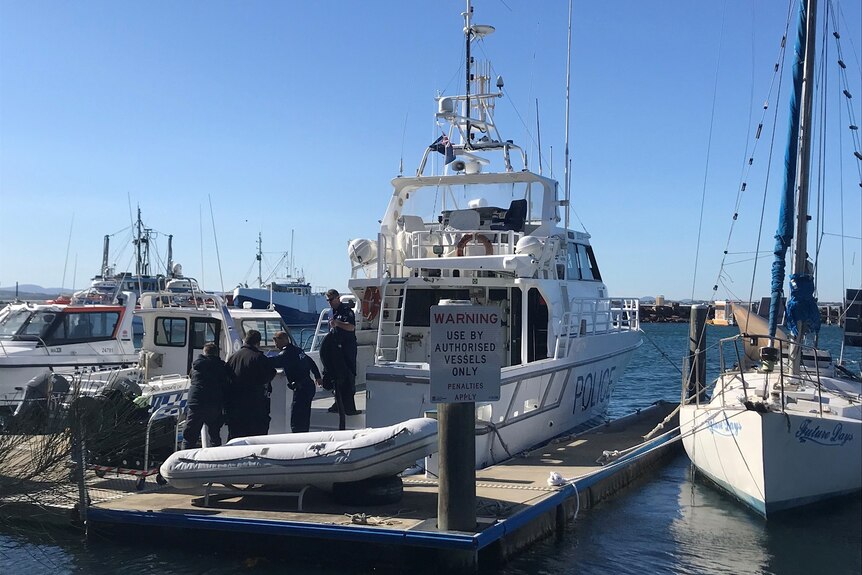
[664,524]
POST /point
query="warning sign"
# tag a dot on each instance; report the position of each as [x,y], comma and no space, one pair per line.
[465,353]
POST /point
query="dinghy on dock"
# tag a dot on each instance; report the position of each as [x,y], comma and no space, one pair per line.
[320,459]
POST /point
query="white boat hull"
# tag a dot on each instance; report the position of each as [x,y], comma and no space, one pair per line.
[538,401]
[774,461]
[320,459]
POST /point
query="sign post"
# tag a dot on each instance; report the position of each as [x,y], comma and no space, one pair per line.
[465,368]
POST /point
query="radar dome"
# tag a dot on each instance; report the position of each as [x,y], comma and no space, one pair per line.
[362,251]
[530,245]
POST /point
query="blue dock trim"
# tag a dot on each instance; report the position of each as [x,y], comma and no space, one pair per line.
[522,518]
[377,535]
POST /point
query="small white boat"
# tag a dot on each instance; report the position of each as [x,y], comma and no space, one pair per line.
[63,337]
[320,459]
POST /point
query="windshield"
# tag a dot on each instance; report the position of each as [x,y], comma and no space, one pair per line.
[492,200]
[26,322]
[10,324]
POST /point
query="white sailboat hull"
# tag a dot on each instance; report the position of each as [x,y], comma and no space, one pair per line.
[774,461]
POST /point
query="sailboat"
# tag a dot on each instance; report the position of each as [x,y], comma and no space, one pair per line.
[476,225]
[783,427]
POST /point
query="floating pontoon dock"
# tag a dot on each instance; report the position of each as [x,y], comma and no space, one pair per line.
[515,504]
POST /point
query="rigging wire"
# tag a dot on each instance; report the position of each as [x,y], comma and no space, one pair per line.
[708,149]
[780,66]
[748,159]
[215,240]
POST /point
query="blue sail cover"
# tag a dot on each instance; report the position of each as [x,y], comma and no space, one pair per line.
[784,234]
[802,305]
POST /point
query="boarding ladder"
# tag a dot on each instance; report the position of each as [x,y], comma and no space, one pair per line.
[391,322]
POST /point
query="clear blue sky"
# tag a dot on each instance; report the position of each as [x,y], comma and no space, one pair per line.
[295,116]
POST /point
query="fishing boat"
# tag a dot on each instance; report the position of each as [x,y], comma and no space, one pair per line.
[782,428]
[475,224]
[108,283]
[292,297]
[64,337]
[320,459]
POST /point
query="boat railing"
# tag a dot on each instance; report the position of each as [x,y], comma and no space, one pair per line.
[434,241]
[320,330]
[197,300]
[589,317]
[811,370]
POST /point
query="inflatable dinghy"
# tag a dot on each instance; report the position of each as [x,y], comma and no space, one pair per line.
[320,459]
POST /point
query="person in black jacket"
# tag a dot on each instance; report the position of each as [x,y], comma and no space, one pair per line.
[210,378]
[342,325]
[336,371]
[297,369]
[247,405]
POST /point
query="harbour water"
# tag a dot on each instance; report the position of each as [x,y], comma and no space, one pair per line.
[666,523]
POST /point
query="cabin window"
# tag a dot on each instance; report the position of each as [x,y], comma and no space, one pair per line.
[170,331]
[419,302]
[82,327]
[137,332]
[515,327]
[204,331]
[537,326]
[573,270]
[589,270]
[267,329]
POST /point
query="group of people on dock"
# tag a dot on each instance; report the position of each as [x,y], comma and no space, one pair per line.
[237,392]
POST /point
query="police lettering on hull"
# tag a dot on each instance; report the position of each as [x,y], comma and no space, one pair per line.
[593,388]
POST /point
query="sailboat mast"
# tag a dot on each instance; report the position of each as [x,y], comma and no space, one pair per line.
[803,167]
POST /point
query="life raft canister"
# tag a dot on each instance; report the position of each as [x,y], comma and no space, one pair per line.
[371,303]
[489,249]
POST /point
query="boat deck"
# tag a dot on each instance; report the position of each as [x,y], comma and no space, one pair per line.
[515,504]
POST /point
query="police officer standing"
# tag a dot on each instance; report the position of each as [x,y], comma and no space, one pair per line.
[297,369]
[342,323]
[210,378]
[247,406]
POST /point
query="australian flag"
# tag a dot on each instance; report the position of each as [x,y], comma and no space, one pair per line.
[444,146]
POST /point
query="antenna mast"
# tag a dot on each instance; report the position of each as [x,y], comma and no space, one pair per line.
[539,136]
[566,167]
[105,256]
[290,271]
[259,257]
[468,33]
[170,270]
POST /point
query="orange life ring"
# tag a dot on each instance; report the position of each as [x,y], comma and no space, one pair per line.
[371,303]
[489,249]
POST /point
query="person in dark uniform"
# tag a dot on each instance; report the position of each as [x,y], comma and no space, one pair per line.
[210,378]
[297,369]
[247,405]
[342,324]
